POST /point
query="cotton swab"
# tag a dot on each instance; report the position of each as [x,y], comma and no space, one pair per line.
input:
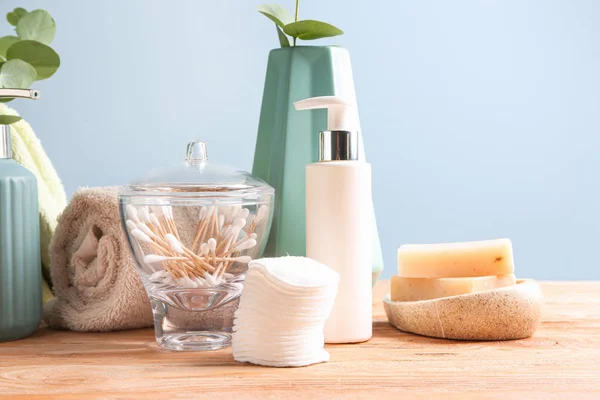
[204,249]
[144,214]
[221,235]
[210,279]
[174,243]
[248,244]
[202,213]
[130,224]
[243,214]
[154,220]
[212,244]
[153,258]
[144,228]
[262,212]
[132,213]
[141,236]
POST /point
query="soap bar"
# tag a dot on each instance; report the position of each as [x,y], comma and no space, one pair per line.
[414,289]
[455,260]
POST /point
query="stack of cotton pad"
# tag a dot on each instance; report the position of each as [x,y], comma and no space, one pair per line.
[282,310]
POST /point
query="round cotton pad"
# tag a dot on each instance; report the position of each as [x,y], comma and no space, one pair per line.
[283,307]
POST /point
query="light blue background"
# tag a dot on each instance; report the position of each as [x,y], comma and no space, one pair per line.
[481,118]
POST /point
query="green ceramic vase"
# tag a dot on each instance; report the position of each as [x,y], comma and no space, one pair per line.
[287,139]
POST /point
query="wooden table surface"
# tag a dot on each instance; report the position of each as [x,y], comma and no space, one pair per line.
[562,360]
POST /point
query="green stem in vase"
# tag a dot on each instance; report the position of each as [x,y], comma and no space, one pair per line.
[296,17]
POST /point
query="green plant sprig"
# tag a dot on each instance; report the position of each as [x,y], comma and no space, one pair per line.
[288,25]
[27,57]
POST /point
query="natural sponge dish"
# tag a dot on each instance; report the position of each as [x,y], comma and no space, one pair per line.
[462,291]
[282,311]
[512,312]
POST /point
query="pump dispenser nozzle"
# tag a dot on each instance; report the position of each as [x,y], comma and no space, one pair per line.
[341,115]
[5,151]
[340,141]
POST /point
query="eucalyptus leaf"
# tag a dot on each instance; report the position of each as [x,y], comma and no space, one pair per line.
[16,74]
[37,25]
[284,41]
[4,99]
[20,11]
[9,119]
[41,57]
[14,16]
[276,13]
[5,43]
[310,29]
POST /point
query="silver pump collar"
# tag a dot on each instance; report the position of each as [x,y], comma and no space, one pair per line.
[338,146]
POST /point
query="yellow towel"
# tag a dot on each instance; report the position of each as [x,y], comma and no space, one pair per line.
[28,151]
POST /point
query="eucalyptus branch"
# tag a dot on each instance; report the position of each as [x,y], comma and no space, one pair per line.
[28,57]
[289,25]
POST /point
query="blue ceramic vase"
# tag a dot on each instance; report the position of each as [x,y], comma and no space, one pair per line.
[20,272]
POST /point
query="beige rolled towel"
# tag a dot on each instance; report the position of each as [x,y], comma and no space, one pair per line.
[96,285]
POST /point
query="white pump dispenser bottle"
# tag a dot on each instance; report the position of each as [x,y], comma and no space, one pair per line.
[338,219]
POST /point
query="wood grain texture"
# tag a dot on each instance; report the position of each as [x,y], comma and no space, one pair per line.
[562,360]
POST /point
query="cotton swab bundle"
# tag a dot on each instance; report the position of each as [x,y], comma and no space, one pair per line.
[222,234]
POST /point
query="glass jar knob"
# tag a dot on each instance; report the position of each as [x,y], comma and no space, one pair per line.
[196,152]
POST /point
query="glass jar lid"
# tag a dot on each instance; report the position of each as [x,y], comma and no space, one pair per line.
[197,177]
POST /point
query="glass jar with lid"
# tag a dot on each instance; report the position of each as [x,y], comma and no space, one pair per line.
[193,228]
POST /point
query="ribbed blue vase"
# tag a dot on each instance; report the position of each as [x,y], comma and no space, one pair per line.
[20,273]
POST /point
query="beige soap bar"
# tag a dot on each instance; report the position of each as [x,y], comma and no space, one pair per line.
[456,260]
[414,289]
